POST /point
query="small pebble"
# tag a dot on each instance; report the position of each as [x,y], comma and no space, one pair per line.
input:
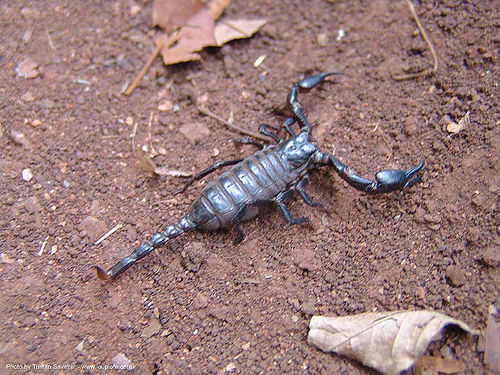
[322,39]
[134,10]
[230,367]
[27,69]
[27,97]
[165,106]
[79,347]
[27,174]
[129,121]
[36,123]
[215,152]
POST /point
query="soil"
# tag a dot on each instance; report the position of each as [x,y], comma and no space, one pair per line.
[202,304]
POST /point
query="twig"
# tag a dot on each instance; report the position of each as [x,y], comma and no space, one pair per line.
[113,230]
[141,74]
[49,39]
[134,132]
[424,72]
[153,152]
[237,128]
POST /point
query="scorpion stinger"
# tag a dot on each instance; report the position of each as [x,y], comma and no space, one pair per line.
[270,175]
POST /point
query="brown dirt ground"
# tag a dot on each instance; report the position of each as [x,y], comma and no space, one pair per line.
[245,308]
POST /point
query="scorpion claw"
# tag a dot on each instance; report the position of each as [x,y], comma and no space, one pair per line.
[310,82]
[394,179]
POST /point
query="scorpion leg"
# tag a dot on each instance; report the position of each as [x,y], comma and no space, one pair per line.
[235,221]
[284,210]
[385,181]
[248,141]
[288,126]
[207,171]
[263,130]
[300,188]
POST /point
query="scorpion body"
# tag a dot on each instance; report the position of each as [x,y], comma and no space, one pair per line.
[269,175]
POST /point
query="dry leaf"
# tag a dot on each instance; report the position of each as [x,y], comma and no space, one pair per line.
[217,7]
[435,365]
[197,33]
[236,29]
[388,342]
[145,163]
[172,14]
[455,128]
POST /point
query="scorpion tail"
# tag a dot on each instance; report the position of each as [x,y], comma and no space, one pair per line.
[157,240]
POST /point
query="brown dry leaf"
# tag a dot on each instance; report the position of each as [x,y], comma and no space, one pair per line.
[172,14]
[197,33]
[435,365]
[227,30]
[145,163]
[217,7]
[388,342]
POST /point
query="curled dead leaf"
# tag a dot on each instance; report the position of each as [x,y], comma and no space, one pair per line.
[197,33]
[227,30]
[388,342]
[172,14]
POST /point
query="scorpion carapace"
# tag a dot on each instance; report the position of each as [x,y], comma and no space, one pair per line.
[267,176]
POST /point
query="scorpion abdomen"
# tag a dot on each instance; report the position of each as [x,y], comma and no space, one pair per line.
[259,177]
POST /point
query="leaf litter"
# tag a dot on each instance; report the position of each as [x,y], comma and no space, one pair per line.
[195,28]
[189,26]
[388,342]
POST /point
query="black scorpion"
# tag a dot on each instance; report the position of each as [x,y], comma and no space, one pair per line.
[267,176]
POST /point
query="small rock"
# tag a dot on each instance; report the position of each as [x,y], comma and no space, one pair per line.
[307,307]
[79,347]
[121,361]
[92,227]
[45,103]
[165,106]
[129,121]
[32,205]
[20,139]
[230,367]
[27,97]
[4,258]
[200,301]
[27,174]
[322,39]
[27,69]
[152,329]
[134,10]
[411,126]
[305,259]
[35,123]
[194,131]
[455,275]
[491,255]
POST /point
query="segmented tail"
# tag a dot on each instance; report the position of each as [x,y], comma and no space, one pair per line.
[156,240]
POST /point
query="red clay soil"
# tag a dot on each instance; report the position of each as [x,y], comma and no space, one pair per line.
[202,304]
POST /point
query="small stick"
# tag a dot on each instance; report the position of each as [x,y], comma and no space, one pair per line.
[113,230]
[237,128]
[134,132]
[153,152]
[425,72]
[141,74]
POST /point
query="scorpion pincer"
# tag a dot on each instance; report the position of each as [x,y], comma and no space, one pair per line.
[267,176]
